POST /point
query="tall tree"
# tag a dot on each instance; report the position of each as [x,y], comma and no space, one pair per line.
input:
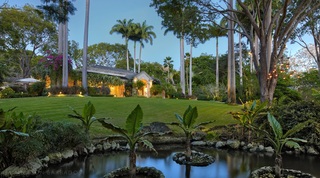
[167,64]
[124,28]
[231,58]
[286,15]
[59,10]
[176,17]
[85,49]
[23,32]
[310,26]
[147,35]
[216,31]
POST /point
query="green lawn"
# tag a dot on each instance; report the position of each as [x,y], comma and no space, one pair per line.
[154,109]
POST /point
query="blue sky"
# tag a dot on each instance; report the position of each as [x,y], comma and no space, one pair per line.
[105,13]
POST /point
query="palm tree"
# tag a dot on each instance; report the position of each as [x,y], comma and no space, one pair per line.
[135,35]
[231,61]
[167,62]
[146,35]
[124,28]
[216,31]
[85,49]
[58,11]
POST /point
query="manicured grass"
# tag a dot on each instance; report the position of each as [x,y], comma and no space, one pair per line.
[117,109]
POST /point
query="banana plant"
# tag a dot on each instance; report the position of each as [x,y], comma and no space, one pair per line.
[132,134]
[87,116]
[187,124]
[250,112]
[278,139]
[7,134]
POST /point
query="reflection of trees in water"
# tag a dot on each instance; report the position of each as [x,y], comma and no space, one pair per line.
[231,164]
[105,163]
[238,164]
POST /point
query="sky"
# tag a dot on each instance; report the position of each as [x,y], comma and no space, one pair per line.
[105,13]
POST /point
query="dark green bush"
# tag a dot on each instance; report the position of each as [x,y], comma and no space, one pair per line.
[37,88]
[57,136]
[18,88]
[290,114]
[24,148]
[156,90]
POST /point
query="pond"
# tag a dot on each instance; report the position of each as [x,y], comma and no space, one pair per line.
[228,164]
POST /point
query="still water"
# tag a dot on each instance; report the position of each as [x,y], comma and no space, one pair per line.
[228,164]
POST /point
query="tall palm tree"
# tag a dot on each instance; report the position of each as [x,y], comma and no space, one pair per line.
[216,31]
[147,35]
[124,28]
[85,49]
[58,10]
[135,36]
[231,61]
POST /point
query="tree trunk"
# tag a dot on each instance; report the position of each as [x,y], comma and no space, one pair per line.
[231,61]
[182,71]
[132,166]
[85,49]
[134,58]
[217,67]
[190,71]
[127,53]
[65,56]
[60,38]
[269,42]
[188,147]
[240,61]
[278,166]
[140,58]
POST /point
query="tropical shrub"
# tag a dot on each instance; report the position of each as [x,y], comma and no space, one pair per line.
[293,113]
[37,89]
[156,90]
[56,136]
[7,93]
[86,117]
[277,138]
[187,123]
[249,114]
[132,134]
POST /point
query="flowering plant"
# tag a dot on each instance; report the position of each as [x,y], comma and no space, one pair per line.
[52,65]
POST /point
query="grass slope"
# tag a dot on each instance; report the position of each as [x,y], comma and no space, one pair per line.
[117,109]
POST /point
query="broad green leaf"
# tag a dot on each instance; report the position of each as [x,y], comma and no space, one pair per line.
[185,115]
[134,120]
[253,106]
[14,132]
[179,118]
[190,117]
[296,129]
[203,123]
[148,144]
[292,144]
[112,127]
[88,111]
[297,140]
[276,127]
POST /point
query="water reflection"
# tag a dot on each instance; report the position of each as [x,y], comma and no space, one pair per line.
[227,165]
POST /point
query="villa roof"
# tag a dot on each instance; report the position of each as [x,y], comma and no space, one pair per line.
[112,71]
[125,74]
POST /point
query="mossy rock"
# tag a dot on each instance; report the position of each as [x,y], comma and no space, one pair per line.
[142,172]
[197,159]
[268,172]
